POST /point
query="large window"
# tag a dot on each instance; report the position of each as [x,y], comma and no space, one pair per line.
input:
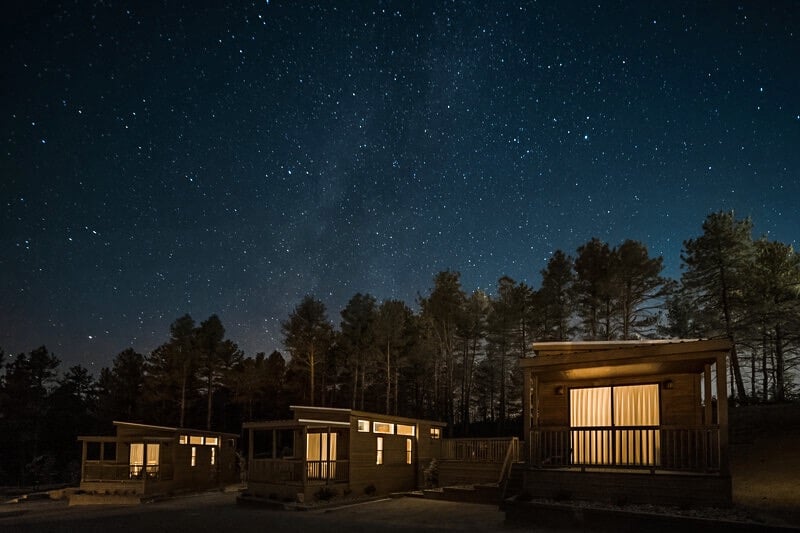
[615,425]
[321,455]
[136,460]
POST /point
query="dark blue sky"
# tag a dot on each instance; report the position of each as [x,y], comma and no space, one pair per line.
[195,157]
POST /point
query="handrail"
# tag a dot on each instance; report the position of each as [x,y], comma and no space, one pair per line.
[512,455]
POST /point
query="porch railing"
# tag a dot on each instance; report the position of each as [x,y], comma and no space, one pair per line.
[105,471]
[693,449]
[298,470]
[481,450]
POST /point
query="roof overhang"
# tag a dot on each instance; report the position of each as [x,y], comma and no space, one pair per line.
[571,361]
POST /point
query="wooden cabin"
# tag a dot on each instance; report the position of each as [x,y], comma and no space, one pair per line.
[324,452]
[144,460]
[632,421]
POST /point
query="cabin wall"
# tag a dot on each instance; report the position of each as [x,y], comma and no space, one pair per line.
[391,476]
[680,405]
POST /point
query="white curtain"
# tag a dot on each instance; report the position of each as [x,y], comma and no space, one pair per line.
[136,460]
[637,405]
[590,409]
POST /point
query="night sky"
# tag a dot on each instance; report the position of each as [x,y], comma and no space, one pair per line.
[163,158]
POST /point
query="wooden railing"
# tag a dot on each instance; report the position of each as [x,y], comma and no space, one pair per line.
[481,450]
[105,471]
[298,470]
[694,449]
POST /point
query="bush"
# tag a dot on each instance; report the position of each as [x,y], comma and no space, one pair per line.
[370,490]
[324,494]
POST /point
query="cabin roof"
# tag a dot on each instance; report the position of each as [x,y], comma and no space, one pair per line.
[312,416]
[611,359]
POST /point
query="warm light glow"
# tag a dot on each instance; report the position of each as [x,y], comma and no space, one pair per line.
[379,456]
[383,427]
[436,433]
[183,439]
[194,456]
[195,440]
[363,426]
[408,451]
[213,456]
[403,429]
[212,441]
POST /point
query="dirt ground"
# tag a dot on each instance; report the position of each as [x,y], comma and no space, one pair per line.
[765,461]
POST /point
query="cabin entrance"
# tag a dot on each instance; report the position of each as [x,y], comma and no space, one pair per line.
[616,425]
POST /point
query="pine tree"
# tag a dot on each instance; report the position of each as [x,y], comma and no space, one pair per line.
[714,278]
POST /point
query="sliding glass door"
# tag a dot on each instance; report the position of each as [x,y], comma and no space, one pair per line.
[615,425]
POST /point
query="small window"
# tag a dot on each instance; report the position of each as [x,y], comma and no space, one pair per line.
[212,441]
[194,456]
[379,456]
[383,427]
[363,426]
[195,440]
[403,429]
[183,439]
[436,433]
[213,456]
[408,451]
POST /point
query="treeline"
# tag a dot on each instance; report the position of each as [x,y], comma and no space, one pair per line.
[452,359]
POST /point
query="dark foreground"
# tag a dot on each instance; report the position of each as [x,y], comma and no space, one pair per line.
[216,511]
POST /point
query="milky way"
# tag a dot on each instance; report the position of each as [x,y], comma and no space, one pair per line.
[195,157]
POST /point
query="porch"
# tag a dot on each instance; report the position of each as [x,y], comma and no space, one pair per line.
[471,461]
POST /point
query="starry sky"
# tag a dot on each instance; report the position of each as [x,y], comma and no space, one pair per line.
[172,157]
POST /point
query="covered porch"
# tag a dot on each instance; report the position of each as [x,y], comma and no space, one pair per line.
[288,458]
[137,465]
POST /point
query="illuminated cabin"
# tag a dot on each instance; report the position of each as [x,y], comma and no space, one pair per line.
[145,460]
[338,451]
[629,421]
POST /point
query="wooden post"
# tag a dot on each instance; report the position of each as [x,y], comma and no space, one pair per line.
[83,461]
[722,413]
[707,411]
[250,440]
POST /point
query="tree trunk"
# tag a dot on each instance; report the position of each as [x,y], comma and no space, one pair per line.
[780,385]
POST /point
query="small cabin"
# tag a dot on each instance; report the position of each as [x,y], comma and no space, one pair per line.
[324,452]
[630,421]
[145,460]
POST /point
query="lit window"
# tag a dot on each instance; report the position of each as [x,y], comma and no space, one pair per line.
[408,451]
[194,456]
[379,457]
[436,433]
[195,440]
[363,426]
[183,439]
[211,441]
[402,429]
[383,427]
[213,456]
